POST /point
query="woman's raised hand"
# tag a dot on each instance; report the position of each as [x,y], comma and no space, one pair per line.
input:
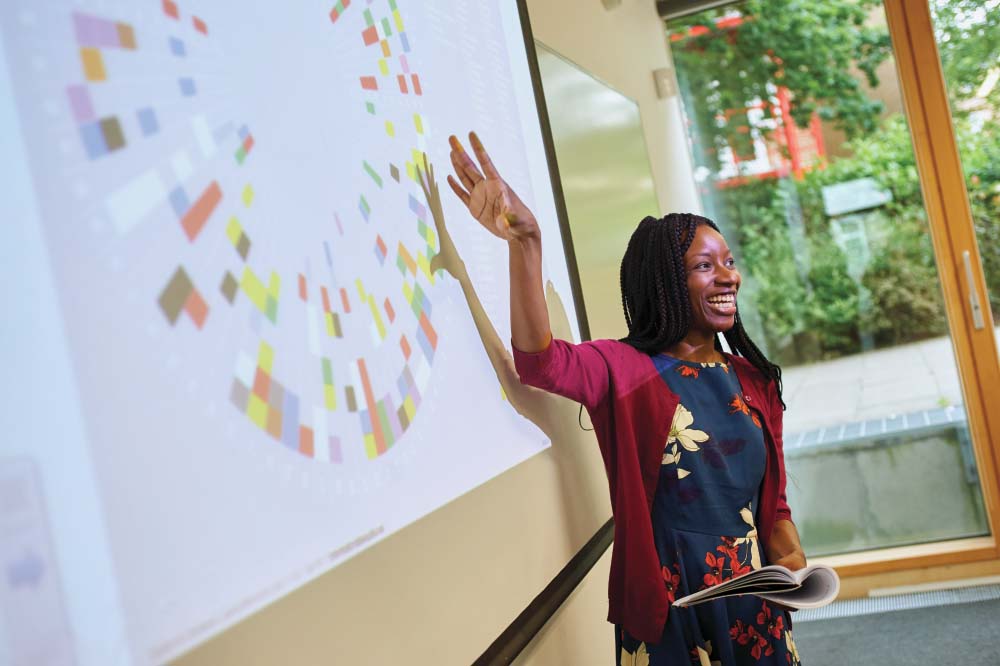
[487,196]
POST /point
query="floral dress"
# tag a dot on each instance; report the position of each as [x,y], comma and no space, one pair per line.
[704,528]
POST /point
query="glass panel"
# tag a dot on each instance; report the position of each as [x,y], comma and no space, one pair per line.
[803,157]
[968,38]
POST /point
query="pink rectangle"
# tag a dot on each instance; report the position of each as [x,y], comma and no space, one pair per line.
[79,101]
[404,64]
[94,31]
[336,455]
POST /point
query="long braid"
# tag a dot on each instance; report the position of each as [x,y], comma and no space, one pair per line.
[655,299]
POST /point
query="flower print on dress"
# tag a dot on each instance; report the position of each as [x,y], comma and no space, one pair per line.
[688,438]
[753,544]
[638,658]
[702,656]
[672,581]
[792,656]
[687,371]
[768,622]
[737,406]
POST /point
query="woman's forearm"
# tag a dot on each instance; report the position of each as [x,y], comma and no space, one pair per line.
[529,318]
[784,547]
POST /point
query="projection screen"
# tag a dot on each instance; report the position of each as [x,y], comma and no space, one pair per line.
[232,355]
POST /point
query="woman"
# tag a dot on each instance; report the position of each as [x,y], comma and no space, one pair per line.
[690,435]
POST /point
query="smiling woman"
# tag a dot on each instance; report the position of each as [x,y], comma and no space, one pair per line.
[690,434]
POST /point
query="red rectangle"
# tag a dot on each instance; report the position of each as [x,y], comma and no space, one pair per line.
[199,25]
[326,299]
[197,215]
[429,331]
[305,441]
[405,346]
[343,299]
[197,308]
[261,384]
[402,84]
[381,245]
[416,84]
[303,293]
[334,15]
[248,143]
[370,35]
[389,311]
[369,83]
[380,446]
[170,9]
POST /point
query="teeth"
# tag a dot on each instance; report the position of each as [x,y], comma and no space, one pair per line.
[721,300]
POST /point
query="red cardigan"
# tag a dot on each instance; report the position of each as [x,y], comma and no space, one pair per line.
[631,408]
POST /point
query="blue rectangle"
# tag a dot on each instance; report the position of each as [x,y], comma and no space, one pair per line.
[379,256]
[177,47]
[187,87]
[147,121]
[418,208]
[329,259]
[244,132]
[179,201]
[405,41]
[403,387]
[290,420]
[93,140]
[425,344]
[366,422]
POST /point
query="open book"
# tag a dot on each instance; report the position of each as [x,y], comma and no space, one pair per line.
[811,587]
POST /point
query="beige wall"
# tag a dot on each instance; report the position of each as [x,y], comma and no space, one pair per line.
[441,590]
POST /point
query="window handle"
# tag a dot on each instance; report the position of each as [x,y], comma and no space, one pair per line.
[977,309]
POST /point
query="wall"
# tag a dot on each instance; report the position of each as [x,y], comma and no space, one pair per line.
[441,590]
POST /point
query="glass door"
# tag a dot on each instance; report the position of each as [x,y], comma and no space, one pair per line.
[801,118]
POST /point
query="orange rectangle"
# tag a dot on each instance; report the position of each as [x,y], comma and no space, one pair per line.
[126,36]
[196,308]
[407,259]
[369,83]
[93,64]
[170,9]
[326,299]
[248,143]
[303,293]
[402,84]
[306,446]
[372,407]
[389,311]
[343,299]
[197,215]
[405,346]
[385,49]
[416,84]
[369,35]
[199,25]
[261,384]
[429,331]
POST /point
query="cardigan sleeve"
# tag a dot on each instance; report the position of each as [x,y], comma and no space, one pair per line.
[782,511]
[575,371]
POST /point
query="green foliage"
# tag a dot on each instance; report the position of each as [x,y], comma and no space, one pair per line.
[967,33]
[811,47]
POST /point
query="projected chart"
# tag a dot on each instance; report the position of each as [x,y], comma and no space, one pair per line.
[272,372]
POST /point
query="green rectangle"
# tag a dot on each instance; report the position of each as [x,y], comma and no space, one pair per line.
[369,21]
[386,429]
[385,26]
[370,107]
[327,372]
[241,155]
[422,229]
[371,172]
[364,204]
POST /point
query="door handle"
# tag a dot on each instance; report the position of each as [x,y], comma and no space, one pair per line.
[977,309]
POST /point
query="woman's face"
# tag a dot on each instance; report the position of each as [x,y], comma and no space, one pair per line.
[712,281]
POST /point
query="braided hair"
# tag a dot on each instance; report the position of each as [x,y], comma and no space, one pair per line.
[655,296]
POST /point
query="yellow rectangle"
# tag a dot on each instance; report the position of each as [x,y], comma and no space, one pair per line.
[411,172]
[247,195]
[425,267]
[361,289]
[383,66]
[254,289]
[389,129]
[408,292]
[265,357]
[370,447]
[257,411]
[410,408]
[274,284]
[418,123]
[377,316]
[398,20]
[431,238]
[330,397]
[329,324]
[233,230]
[93,64]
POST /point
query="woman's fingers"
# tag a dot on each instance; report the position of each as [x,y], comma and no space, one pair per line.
[483,156]
[465,168]
[457,189]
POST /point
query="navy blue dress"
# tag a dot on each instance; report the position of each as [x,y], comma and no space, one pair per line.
[704,526]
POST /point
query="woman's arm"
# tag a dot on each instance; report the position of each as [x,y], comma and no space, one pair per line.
[784,547]
[498,208]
